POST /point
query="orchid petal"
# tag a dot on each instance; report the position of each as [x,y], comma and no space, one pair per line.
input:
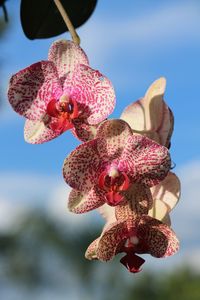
[112,136]
[91,250]
[166,220]
[111,239]
[150,115]
[81,202]
[159,210]
[139,201]
[32,88]
[80,169]
[66,55]
[168,191]
[159,238]
[144,160]
[93,91]
[83,131]
[35,132]
[108,213]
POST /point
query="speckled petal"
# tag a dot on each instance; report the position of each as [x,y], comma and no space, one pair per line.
[150,115]
[32,88]
[139,201]
[168,191]
[92,249]
[113,135]
[83,131]
[160,238]
[110,240]
[144,160]
[81,202]
[35,132]
[66,55]
[80,169]
[93,91]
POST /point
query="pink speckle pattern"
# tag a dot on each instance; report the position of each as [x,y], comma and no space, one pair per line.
[67,74]
[115,145]
[32,88]
[159,237]
[66,55]
[93,91]
[139,201]
[146,161]
[80,168]
[153,237]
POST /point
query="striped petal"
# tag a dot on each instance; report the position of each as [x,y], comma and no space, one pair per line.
[80,169]
[112,135]
[81,202]
[93,91]
[150,115]
[168,191]
[66,55]
[35,132]
[144,160]
[31,89]
[111,239]
[159,238]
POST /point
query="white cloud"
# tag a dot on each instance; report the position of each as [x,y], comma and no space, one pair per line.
[21,192]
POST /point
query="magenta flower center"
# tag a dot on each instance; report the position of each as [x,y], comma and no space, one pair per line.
[63,111]
[113,182]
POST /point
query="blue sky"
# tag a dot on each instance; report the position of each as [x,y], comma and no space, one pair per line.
[133,43]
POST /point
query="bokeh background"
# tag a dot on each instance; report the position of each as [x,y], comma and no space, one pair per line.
[42,245]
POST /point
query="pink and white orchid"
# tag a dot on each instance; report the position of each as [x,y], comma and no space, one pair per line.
[105,169]
[150,115]
[126,231]
[61,93]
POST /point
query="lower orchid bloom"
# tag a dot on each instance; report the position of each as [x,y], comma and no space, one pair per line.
[140,235]
[150,115]
[61,93]
[104,169]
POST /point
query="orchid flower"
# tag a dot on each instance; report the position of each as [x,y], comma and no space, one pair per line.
[105,169]
[133,234]
[61,93]
[150,115]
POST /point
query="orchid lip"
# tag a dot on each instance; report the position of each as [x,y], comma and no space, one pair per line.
[113,182]
[63,112]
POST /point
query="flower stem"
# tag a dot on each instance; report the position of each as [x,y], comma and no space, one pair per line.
[74,35]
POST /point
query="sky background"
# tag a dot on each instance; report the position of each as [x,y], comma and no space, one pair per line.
[133,43]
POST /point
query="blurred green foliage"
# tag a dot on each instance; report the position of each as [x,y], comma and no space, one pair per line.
[42,253]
